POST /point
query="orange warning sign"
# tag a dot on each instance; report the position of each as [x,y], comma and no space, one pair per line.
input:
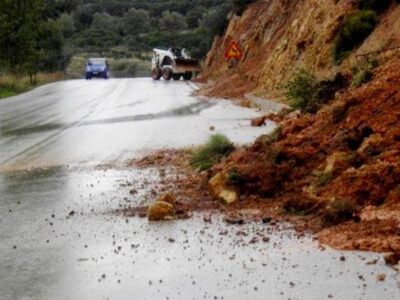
[233,51]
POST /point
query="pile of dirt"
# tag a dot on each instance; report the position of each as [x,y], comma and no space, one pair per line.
[338,169]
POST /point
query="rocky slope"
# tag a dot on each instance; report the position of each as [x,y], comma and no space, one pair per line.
[278,36]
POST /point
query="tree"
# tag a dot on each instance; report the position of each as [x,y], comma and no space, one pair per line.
[193,17]
[106,21]
[66,24]
[28,43]
[19,32]
[135,21]
[172,21]
[215,20]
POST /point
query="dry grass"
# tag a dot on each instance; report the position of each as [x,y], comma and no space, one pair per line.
[11,85]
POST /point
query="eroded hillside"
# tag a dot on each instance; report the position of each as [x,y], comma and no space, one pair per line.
[279,36]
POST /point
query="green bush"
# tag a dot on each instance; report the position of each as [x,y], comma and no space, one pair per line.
[217,147]
[306,92]
[301,90]
[363,73]
[361,77]
[355,29]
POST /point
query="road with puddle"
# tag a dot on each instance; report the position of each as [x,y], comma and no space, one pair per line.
[64,149]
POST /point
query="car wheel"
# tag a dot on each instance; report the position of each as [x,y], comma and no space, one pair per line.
[188,76]
[156,74]
[176,77]
[167,74]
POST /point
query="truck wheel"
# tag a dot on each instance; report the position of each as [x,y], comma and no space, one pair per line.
[188,76]
[167,74]
[156,74]
[176,77]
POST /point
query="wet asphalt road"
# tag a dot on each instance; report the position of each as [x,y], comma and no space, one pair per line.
[98,122]
[63,154]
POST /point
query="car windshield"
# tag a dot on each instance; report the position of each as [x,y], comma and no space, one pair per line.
[97,63]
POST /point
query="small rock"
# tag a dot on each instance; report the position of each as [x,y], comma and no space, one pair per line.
[234,220]
[392,259]
[171,240]
[381,277]
[207,219]
[258,122]
[160,211]
[212,128]
[71,213]
[142,214]
[266,220]
[342,258]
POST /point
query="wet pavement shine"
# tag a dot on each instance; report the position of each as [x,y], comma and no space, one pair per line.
[60,237]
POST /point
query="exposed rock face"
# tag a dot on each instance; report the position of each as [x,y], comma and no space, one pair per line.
[279,36]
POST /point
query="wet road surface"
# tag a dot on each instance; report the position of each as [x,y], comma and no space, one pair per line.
[59,237]
[97,122]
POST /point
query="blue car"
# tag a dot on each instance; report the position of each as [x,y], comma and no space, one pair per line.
[97,67]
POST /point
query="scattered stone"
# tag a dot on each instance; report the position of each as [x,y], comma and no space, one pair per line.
[342,258]
[207,219]
[266,239]
[381,277]
[160,211]
[266,220]
[71,213]
[392,259]
[233,220]
[254,240]
[142,214]
[212,128]
[258,122]
[171,240]
[372,262]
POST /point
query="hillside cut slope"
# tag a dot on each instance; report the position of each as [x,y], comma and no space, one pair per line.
[279,36]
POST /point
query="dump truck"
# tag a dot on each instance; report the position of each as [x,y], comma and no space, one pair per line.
[173,64]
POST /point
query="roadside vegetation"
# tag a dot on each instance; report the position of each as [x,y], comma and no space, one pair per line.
[14,85]
[306,92]
[217,147]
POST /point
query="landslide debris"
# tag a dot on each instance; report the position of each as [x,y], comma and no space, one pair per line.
[339,168]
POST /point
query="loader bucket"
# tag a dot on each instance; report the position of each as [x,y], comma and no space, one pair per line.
[183,65]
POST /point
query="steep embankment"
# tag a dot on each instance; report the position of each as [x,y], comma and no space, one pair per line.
[278,36]
[339,168]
